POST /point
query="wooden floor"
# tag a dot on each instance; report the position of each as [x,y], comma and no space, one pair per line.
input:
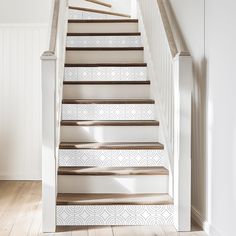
[20,215]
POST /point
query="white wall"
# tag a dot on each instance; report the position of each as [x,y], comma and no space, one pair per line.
[221,116]
[24,11]
[23,37]
[208,27]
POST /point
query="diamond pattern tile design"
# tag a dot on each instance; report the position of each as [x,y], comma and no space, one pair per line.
[111,158]
[115,215]
[104,41]
[108,112]
[105,73]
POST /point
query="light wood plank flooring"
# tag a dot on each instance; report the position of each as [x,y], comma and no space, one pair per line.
[20,215]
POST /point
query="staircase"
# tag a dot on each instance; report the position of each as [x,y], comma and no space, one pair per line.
[112,166]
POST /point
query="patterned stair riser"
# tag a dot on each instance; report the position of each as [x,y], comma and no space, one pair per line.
[115,215]
[105,73]
[111,158]
[104,41]
[108,112]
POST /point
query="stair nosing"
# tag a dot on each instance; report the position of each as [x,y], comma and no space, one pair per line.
[92,199]
[106,65]
[113,171]
[104,48]
[103,21]
[110,146]
[108,101]
[141,82]
[109,123]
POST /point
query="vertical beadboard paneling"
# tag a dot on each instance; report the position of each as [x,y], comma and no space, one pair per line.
[20,100]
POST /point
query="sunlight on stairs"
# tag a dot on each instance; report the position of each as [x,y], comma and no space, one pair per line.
[112,168]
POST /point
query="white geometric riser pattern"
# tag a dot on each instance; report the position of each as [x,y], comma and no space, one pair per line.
[104,41]
[108,112]
[115,215]
[105,73]
[111,158]
[80,15]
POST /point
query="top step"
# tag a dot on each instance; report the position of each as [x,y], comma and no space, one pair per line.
[97,11]
[102,26]
[89,11]
[94,4]
[100,3]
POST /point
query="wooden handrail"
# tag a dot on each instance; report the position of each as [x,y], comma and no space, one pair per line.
[54,24]
[99,11]
[100,3]
[174,37]
[167,28]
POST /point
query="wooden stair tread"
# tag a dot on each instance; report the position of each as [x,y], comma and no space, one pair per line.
[99,11]
[113,146]
[107,65]
[104,34]
[104,48]
[144,82]
[113,199]
[109,123]
[101,171]
[108,101]
[104,21]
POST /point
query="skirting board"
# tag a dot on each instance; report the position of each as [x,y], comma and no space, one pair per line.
[204,224]
[21,177]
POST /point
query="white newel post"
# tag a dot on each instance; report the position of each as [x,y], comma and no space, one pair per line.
[49,190]
[183,77]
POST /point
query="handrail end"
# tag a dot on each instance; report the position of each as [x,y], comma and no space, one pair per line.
[48,55]
[182,54]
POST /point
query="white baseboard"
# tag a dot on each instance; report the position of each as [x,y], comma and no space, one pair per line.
[204,224]
[23,177]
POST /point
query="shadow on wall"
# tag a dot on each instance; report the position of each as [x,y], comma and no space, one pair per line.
[199,162]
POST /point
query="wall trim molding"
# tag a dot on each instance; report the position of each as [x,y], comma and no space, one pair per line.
[204,224]
[21,177]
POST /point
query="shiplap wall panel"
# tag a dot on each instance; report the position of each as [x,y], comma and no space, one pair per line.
[20,100]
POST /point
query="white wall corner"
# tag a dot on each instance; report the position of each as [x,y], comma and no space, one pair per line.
[204,224]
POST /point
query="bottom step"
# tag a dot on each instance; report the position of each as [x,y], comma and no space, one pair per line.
[114,209]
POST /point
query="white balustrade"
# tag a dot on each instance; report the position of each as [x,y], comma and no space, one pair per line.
[52,82]
[170,70]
